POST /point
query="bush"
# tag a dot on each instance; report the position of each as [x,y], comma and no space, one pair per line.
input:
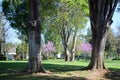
[116,58]
[2,57]
[51,57]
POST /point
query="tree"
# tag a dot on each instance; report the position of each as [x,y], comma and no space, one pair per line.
[34,40]
[26,19]
[78,23]
[22,50]
[101,12]
[118,43]
[67,24]
[85,48]
[16,11]
[9,46]
[51,35]
[118,46]
[48,48]
[88,37]
[2,35]
[111,43]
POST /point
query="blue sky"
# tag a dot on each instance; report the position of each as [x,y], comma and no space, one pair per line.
[116,22]
[13,37]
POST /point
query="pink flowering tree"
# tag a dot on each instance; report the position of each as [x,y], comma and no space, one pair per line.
[48,49]
[85,48]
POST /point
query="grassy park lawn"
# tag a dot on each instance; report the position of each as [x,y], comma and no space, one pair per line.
[58,70]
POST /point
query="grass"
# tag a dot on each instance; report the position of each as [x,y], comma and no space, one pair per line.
[113,65]
[11,70]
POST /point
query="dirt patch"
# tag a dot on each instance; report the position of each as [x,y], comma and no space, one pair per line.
[97,74]
[69,75]
[78,75]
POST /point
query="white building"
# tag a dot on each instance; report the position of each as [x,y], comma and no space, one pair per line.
[10,55]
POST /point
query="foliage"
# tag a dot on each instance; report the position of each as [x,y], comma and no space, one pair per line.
[88,37]
[68,21]
[16,12]
[2,57]
[22,48]
[10,46]
[85,47]
[111,43]
[118,43]
[51,35]
[48,47]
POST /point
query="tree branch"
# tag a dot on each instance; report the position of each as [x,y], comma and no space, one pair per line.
[109,17]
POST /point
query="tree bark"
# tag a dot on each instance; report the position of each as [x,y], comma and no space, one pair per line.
[66,51]
[67,55]
[118,55]
[97,59]
[101,12]
[65,35]
[0,48]
[73,47]
[34,64]
[23,54]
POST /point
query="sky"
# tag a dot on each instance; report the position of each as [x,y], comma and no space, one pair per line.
[13,37]
[116,22]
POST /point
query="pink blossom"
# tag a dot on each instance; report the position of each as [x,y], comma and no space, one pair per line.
[48,47]
[85,47]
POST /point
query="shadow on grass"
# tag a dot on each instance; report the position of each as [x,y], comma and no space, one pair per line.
[62,68]
[114,74]
[20,76]
[12,71]
[20,66]
[12,67]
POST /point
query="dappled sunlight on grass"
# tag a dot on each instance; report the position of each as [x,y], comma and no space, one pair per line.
[113,65]
[12,65]
[60,66]
[59,70]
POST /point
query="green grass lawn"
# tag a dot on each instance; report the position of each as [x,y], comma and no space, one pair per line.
[11,70]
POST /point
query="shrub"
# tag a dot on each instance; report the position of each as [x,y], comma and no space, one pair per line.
[116,58]
[2,57]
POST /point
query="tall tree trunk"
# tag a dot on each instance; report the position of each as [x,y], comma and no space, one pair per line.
[97,59]
[67,54]
[73,47]
[101,12]
[66,51]
[118,55]
[23,55]
[65,35]
[0,48]
[34,64]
